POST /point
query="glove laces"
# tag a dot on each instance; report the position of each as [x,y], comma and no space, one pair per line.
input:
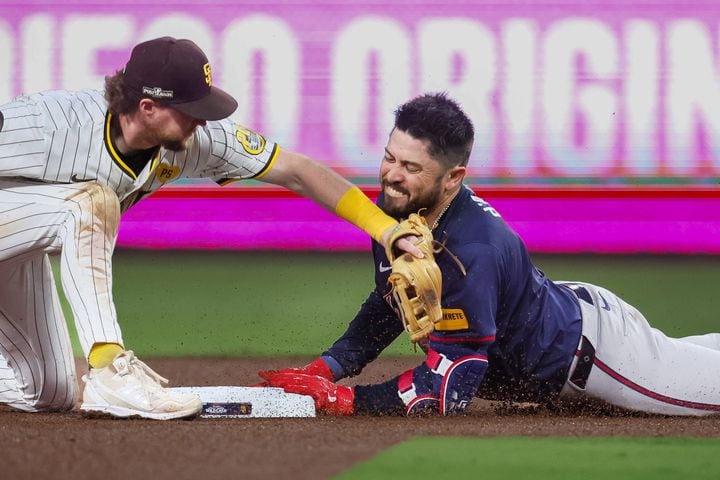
[440,247]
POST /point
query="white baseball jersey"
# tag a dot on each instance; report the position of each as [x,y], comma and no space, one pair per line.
[64,137]
[63,186]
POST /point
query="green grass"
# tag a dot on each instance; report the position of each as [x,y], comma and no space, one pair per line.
[269,303]
[173,303]
[677,294]
[544,459]
[228,303]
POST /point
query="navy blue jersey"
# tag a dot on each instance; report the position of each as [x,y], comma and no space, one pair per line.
[504,310]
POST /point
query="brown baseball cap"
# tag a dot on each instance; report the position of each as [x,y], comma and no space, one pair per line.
[177,73]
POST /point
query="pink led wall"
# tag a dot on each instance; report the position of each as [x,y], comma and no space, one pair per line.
[568,220]
[580,93]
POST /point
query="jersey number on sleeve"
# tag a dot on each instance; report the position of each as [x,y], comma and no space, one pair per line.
[485,206]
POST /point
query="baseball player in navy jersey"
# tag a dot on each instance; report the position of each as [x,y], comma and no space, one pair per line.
[508,332]
[70,164]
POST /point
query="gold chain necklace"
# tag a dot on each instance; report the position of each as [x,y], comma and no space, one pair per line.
[437,220]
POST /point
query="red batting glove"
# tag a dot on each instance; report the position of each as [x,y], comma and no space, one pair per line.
[329,398]
[317,367]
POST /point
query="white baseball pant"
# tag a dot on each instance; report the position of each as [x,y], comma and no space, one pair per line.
[638,367]
[79,222]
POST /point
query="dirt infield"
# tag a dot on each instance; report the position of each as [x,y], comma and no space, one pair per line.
[71,446]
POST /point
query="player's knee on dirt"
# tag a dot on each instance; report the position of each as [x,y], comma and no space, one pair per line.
[97,207]
[422,406]
[64,402]
[50,396]
[415,389]
[460,383]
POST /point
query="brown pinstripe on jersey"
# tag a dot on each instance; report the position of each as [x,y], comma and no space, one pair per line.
[51,145]
[59,136]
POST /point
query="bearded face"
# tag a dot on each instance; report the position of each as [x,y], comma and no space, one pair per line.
[171,129]
[400,201]
[410,178]
[177,145]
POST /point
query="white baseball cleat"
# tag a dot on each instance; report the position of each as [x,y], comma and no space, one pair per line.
[128,387]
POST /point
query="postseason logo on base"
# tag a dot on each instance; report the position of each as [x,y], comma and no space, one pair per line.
[225,402]
[226,409]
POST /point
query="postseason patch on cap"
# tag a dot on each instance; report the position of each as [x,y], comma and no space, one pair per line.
[157,92]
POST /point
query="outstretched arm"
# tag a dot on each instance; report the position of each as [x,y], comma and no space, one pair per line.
[445,383]
[457,360]
[325,187]
[371,331]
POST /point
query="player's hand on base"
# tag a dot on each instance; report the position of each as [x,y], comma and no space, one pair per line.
[329,398]
[316,367]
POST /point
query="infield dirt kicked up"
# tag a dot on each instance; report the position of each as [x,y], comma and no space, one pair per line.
[75,446]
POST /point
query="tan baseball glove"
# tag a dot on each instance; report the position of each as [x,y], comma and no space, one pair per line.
[416,282]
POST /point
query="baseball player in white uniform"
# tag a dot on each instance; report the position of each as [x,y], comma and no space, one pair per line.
[70,164]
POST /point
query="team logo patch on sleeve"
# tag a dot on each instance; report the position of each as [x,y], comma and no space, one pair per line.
[253,143]
[452,319]
[165,172]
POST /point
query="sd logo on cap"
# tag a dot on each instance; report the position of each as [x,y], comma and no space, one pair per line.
[177,73]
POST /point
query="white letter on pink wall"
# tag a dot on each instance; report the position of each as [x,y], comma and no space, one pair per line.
[641,93]
[279,94]
[519,38]
[39,50]
[388,42]
[580,110]
[83,36]
[693,95]
[6,63]
[181,25]
[455,45]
